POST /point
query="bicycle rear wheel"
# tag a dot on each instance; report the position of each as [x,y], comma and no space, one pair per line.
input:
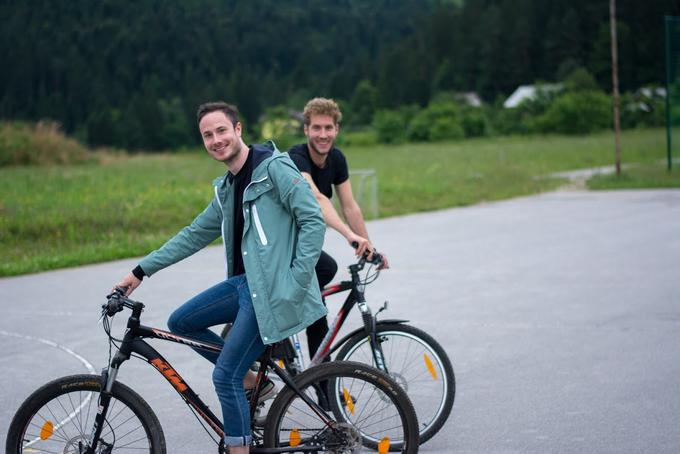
[366,406]
[418,364]
[59,417]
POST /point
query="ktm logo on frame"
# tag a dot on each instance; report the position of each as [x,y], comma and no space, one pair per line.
[169,373]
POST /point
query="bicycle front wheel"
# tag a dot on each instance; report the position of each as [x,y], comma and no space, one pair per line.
[59,418]
[366,409]
[418,364]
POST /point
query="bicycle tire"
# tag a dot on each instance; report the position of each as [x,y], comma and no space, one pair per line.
[380,411]
[415,361]
[60,414]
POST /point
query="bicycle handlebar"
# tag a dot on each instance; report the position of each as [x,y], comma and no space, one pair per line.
[117,301]
[377,259]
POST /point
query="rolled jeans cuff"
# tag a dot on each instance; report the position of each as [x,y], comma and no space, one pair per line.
[243,440]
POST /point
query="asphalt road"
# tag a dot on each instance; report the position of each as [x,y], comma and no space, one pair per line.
[560,312]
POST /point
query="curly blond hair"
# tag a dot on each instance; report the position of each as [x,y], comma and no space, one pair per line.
[322,106]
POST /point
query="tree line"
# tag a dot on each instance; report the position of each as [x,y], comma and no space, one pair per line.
[131,74]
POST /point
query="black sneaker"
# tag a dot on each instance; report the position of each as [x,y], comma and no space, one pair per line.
[268,391]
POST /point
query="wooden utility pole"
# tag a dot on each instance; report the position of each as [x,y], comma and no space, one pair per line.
[615,85]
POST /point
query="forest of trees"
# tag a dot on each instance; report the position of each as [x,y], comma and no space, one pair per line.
[131,74]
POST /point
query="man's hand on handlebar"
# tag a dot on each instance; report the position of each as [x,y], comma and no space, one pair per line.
[360,244]
[129,283]
[371,255]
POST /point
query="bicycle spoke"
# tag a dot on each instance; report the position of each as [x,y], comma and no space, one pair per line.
[60,424]
[57,421]
[367,417]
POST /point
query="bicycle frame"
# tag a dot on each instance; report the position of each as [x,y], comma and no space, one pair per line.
[356,296]
[133,343]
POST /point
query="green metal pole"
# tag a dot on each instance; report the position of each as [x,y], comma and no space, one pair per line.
[668,90]
[615,86]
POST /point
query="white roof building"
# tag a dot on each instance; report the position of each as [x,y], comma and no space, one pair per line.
[470,98]
[528,92]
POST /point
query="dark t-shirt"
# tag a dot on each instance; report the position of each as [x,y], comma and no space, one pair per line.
[335,171]
[240,181]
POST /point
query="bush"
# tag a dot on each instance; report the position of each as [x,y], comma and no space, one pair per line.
[505,121]
[366,137]
[446,128]
[363,103]
[640,111]
[474,122]
[280,125]
[577,113]
[439,121]
[419,127]
[389,126]
[285,141]
[38,144]
[580,80]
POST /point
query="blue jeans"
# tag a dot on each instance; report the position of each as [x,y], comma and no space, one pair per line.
[227,302]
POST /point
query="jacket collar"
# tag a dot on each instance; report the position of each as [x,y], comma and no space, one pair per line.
[262,154]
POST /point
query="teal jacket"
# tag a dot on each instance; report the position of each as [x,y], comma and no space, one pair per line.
[283,234]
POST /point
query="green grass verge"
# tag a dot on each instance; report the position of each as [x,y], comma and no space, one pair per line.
[422,177]
[59,216]
[52,217]
[645,176]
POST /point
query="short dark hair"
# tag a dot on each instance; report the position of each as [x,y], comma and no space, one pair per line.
[229,110]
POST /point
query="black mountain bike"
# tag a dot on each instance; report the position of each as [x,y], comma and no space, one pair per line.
[413,358]
[88,414]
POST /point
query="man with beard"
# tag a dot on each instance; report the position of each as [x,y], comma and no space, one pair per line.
[323,165]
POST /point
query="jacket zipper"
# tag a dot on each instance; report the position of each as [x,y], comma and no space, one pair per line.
[224,243]
[258,226]
[256,218]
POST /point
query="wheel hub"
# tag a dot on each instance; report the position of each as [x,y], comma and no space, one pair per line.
[401,380]
[342,438]
[80,443]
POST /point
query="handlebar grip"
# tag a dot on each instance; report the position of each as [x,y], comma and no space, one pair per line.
[114,306]
[115,302]
[377,258]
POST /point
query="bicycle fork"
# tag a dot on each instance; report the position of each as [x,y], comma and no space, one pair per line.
[108,379]
[370,322]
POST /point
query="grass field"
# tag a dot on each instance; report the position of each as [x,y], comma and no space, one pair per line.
[642,176]
[60,216]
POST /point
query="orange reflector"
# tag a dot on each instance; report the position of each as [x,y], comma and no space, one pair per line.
[348,400]
[384,445]
[430,366]
[281,365]
[47,430]
[294,438]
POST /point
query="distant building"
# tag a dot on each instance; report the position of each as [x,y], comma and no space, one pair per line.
[651,92]
[644,98]
[529,92]
[470,98]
